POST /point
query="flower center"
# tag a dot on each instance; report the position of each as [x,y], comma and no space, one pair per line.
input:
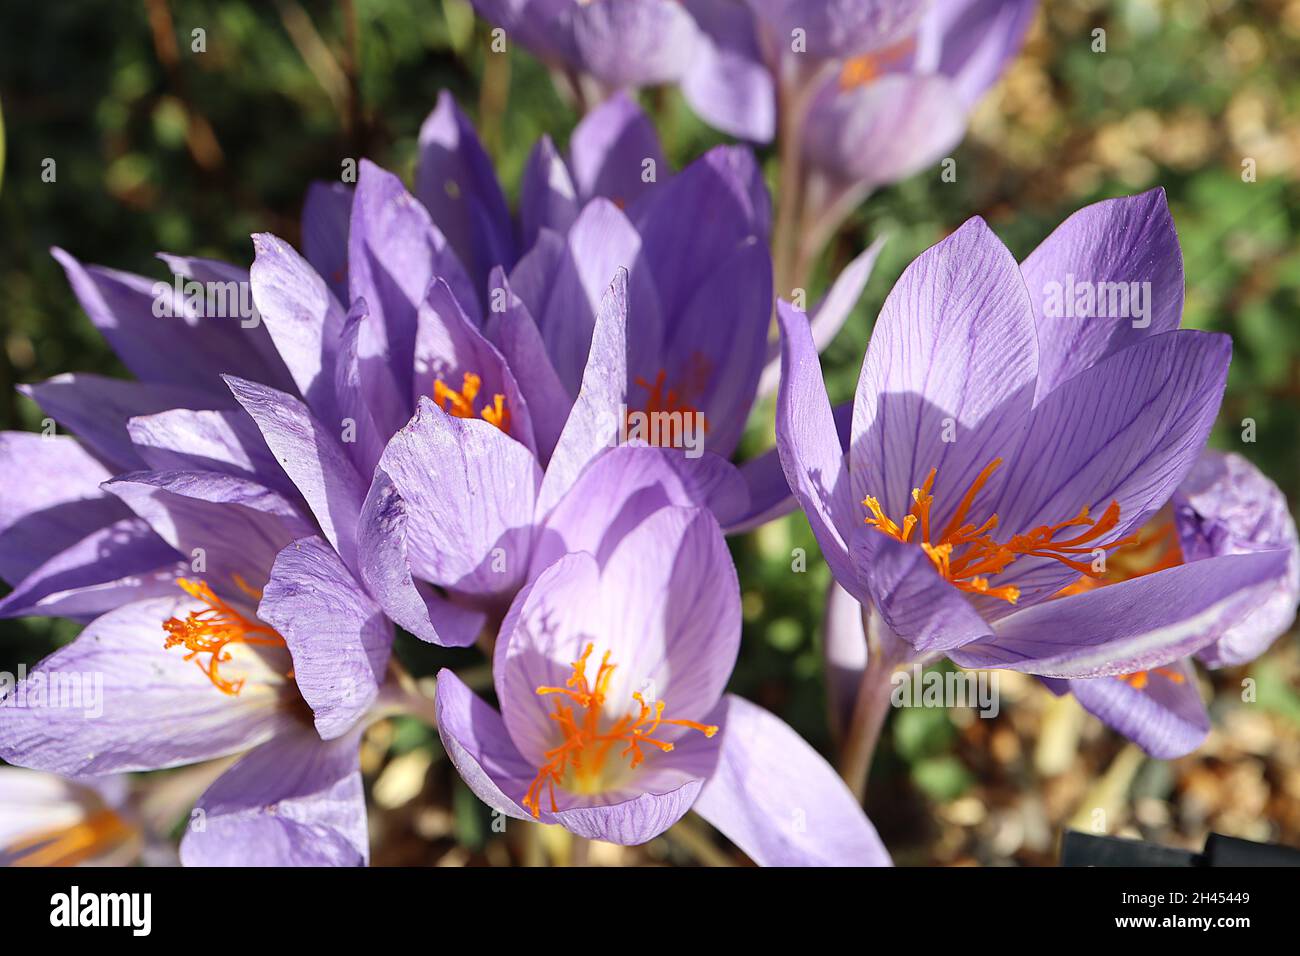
[966,554]
[669,417]
[861,70]
[461,404]
[209,633]
[578,763]
[99,832]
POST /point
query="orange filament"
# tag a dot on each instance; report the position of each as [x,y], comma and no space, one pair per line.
[577,764]
[861,70]
[1156,550]
[461,404]
[966,555]
[210,630]
[99,833]
[1138,679]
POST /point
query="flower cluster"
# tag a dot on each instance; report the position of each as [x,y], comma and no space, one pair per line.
[432,427]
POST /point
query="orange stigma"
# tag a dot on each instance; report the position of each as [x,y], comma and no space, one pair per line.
[98,833]
[461,404]
[861,70]
[210,630]
[966,554]
[579,762]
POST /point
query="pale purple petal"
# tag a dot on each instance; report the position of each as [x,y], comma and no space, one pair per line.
[386,571]
[394,252]
[728,83]
[837,28]
[625,485]
[121,562]
[96,409]
[631,822]
[455,180]
[922,608]
[609,151]
[548,199]
[1134,625]
[339,638]
[885,130]
[39,519]
[1226,505]
[313,457]
[593,424]
[470,492]
[779,800]
[223,525]
[949,373]
[182,349]
[448,346]
[1090,277]
[971,41]
[810,448]
[600,245]
[294,801]
[326,214]
[1125,430]
[1166,718]
[481,750]
[633,42]
[303,317]
[513,330]
[226,442]
[147,708]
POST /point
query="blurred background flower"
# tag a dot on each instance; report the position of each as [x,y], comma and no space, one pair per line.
[188,125]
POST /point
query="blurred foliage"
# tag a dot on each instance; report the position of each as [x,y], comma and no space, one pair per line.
[158,147]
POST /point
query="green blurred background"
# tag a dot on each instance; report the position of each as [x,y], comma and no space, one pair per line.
[159,148]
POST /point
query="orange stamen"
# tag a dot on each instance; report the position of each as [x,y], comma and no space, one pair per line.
[662,400]
[578,762]
[862,70]
[100,832]
[1138,679]
[1155,549]
[461,403]
[966,554]
[212,629]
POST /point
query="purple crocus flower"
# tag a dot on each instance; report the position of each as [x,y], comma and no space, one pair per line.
[1001,449]
[1224,506]
[610,673]
[903,101]
[47,820]
[483,524]
[710,47]
[222,605]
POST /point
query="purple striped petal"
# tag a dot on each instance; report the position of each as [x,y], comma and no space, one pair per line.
[469,519]
[456,182]
[1166,718]
[779,800]
[1107,251]
[1139,624]
[294,801]
[150,707]
[948,374]
[1225,505]
[339,639]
